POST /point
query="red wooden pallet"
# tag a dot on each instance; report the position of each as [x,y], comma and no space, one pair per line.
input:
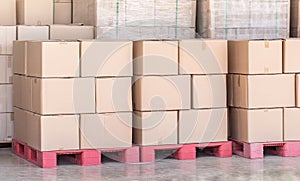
[80,157]
[257,150]
[187,151]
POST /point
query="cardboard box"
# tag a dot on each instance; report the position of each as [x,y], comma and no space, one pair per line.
[53,59]
[32,33]
[62,13]
[49,133]
[20,57]
[8,12]
[20,125]
[34,12]
[7,36]
[99,130]
[259,125]
[22,92]
[290,56]
[155,57]
[209,91]
[203,126]
[291,123]
[6,98]
[71,32]
[155,128]
[106,58]
[203,57]
[161,93]
[262,91]
[6,69]
[6,127]
[63,96]
[255,57]
[113,95]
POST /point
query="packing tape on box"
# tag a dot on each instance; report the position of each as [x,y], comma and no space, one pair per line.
[267,44]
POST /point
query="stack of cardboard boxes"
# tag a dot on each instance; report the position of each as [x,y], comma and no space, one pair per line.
[65,92]
[7,36]
[206,62]
[260,89]
[179,92]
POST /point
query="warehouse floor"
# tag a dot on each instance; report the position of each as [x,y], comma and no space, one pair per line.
[204,168]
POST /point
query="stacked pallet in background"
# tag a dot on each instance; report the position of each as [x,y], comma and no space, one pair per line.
[137,19]
[62,12]
[295,20]
[243,19]
[7,36]
[259,92]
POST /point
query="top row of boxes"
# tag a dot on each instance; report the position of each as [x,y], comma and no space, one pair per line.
[88,58]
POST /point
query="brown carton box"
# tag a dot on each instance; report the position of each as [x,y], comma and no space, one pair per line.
[291,54]
[160,93]
[34,12]
[6,98]
[7,36]
[6,69]
[71,32]
[63,13]
[63,96]
[155,57]
[262,91]
[113,95]
[20,125]
[22,92]
[32,33]
[155,128]
[259,125]
[209,91]
[49,133]
[106,58]
[203,57]
[255,57]
[298,90]
[203,126]
[53,59]
[20,57]
[8,12]
[112,130]
[291,124]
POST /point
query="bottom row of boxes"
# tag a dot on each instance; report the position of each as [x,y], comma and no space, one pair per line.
[117,130]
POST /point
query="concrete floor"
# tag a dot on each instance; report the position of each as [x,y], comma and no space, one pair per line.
[204,168]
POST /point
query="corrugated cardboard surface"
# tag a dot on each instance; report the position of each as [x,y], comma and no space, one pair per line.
[113,95]
[258,125]
[155,128]
[7,36]
[209,91]
[255,57]
[8,12]
[32,33]
[291,63]
[71,32]
[20,57]
[262,91]
[6,69]
[6,98]
[34,12]
[203,57]
[159,93]
[106,58]
[203,126]
[63,96]
[155,57]
[63,13]
[291,123]
[53,59]
[113,130]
